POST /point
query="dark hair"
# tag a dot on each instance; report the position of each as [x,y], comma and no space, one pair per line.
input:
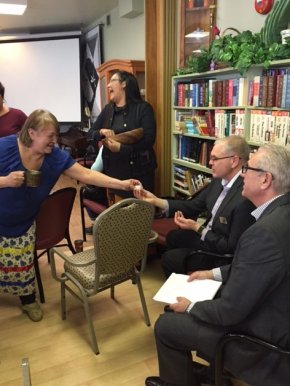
[2,90]
[132,89]
[36,121]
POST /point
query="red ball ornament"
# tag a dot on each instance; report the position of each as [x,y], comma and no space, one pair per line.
[263,6]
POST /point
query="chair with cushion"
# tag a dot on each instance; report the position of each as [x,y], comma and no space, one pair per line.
[52,226]
[120,236]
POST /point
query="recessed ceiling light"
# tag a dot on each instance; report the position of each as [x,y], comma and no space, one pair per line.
[13,7]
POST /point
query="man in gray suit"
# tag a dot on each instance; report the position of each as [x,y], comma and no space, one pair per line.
[255,298]
[228,213]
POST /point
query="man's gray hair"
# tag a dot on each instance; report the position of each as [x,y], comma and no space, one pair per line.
[276,160]
[235,145]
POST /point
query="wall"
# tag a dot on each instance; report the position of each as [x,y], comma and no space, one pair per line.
[240,15]
[124,38]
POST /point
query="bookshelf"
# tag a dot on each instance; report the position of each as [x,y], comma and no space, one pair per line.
[195,15]
[223,102]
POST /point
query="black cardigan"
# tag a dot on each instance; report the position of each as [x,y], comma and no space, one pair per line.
[136,160]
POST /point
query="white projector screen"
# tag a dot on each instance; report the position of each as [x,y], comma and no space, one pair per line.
[43,74]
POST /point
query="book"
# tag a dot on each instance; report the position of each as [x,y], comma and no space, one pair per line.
[243,91]
[195,291]
[256,90]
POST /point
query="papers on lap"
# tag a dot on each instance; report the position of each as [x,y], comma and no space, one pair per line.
[195,291]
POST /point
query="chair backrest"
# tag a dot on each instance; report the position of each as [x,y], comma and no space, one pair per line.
[52,220]
[121,235]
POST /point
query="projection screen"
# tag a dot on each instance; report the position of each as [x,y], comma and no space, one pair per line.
[43,74]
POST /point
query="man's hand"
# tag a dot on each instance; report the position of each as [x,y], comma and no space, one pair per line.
[145,195]
[181,305]
[185,223]
[200,275]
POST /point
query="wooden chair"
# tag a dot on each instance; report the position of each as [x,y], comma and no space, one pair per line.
[120,236]
[52,226]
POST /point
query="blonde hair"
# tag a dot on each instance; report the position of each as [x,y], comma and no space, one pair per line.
[36,121]
[236,145]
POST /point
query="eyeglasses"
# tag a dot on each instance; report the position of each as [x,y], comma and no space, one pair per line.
[213,158]
[245,168]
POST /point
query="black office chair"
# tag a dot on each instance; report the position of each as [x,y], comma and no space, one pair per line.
[219,357]
[214,259]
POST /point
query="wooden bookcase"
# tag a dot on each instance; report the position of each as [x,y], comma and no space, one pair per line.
[200,115]
[195,15]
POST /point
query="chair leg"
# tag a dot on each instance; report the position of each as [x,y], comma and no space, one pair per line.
[83,220]
[143,301]
[69,243]
[62,300]
[112,290]
[38,279]
[90,325]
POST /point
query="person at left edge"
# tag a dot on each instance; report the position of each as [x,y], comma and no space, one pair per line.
[34,148]
[127,111]
[11,119]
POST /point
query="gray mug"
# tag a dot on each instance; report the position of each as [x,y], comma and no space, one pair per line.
[32,178]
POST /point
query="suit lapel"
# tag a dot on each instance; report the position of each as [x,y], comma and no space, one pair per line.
[230,195]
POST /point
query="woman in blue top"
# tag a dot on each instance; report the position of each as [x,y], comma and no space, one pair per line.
[34,149]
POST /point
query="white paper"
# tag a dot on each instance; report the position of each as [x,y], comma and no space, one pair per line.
[195,291]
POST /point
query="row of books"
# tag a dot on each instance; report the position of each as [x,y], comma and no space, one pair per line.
[200,123]
[188,180]
[214,123]
[212,92]
[194,150]
[270,126]
[270,89]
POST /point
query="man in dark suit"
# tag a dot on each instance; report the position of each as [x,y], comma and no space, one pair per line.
[255,298]
[228,213]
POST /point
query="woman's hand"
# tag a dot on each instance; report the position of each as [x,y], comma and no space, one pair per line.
[107,133]
[130,184]
[113,145]
[15,179]
[185,223]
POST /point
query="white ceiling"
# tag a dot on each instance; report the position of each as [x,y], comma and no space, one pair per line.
[56,16]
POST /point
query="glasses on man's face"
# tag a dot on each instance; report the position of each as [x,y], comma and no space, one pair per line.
[245,168]
[214,158]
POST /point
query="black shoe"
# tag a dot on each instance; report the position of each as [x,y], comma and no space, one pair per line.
[204,375]
[167,308]
[89,230]
[154,381]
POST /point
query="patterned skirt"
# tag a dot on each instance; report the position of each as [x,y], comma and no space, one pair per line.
[17,274]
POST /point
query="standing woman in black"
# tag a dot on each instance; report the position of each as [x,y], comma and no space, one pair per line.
[127,111]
